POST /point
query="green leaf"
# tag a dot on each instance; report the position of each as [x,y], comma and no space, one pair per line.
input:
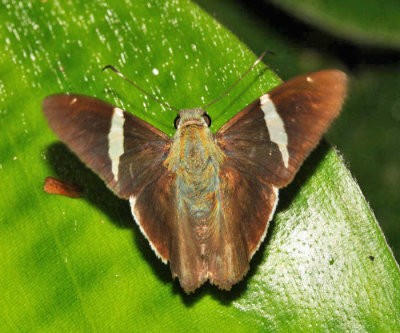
[362,21]
[83,265]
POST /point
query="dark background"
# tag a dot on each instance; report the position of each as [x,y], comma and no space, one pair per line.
[367,133]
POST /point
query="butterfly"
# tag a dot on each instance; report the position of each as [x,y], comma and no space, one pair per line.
[203,200]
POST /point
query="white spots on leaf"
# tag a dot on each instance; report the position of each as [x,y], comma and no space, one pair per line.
[155,71]
[123,60]
[16,34]
[102,38]
[23,122]
[173,22]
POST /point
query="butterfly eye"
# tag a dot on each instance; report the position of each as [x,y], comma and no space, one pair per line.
[176,121]
[207,119]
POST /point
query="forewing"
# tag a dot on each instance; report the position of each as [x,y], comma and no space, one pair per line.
[125,151]
[273,135]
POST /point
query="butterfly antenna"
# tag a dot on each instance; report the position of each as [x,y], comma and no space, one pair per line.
[141,89]
[239,79]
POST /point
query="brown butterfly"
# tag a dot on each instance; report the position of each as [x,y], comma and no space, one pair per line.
[203,200]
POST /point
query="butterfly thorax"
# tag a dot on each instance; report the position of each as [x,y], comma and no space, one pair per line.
[195,159]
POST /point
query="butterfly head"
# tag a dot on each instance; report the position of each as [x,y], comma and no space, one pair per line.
[192,117]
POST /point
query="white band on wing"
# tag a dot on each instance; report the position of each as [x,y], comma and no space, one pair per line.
[276,127]
[116,140]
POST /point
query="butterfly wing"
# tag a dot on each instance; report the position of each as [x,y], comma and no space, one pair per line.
[125,151]
[274,134]
[246,206]
[265,144]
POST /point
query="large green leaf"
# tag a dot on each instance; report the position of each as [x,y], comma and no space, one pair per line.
[82,265]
